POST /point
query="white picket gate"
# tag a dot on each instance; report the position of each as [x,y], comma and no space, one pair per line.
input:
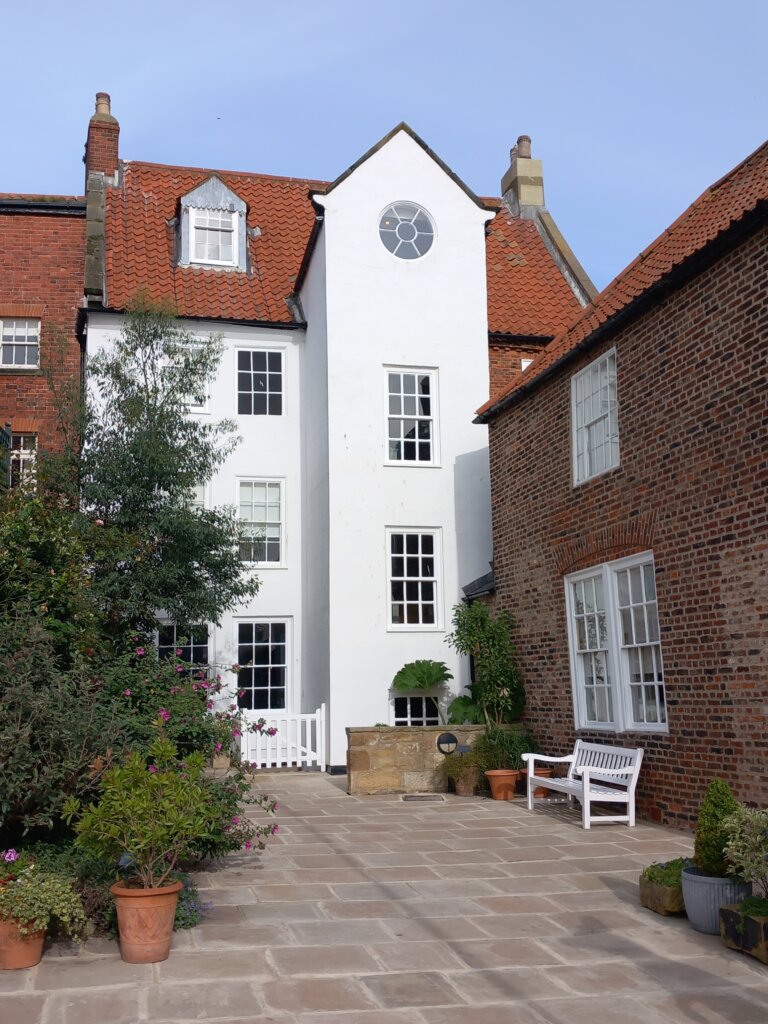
[298,743]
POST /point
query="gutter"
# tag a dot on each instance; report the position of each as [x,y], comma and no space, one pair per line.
[50,207]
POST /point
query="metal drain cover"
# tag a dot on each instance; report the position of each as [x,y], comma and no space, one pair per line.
[424,797]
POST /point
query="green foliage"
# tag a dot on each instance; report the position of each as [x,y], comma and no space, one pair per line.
[148,815]
[746,847]
[142,455]
[455,766]
[755,906]
[54,725]
[231,828]
[35,898]
[190,910]
[498,687]
[464,710]
[425,676]
[711,833]
[502,748]
[669,873]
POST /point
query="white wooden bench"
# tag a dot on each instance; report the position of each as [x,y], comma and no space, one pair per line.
[596,774]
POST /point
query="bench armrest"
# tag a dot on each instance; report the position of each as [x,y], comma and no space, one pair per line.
[580,769]
[529,758]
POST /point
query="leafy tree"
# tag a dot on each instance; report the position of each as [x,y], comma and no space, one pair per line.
[142,455]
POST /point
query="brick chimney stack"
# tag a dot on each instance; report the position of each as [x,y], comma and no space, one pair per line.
[523,184]
[101,150]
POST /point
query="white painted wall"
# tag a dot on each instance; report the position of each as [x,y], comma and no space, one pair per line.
[429,313]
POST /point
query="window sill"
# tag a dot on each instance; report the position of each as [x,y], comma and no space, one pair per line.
[23,371]
[415,629]
[403,464]
[596,476]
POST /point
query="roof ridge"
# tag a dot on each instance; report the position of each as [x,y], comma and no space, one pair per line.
[217,170]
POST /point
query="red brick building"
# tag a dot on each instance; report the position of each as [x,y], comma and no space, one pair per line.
[629,469]
[42,255]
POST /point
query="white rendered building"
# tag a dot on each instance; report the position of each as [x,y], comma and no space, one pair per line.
[359,322]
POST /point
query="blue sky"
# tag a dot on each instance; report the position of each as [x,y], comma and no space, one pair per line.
[634,107]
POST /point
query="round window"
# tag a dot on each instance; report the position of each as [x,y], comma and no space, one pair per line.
[407,231]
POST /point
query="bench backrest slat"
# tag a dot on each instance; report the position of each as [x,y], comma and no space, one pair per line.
[598,755]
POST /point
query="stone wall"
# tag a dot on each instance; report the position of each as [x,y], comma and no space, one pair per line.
[397,759]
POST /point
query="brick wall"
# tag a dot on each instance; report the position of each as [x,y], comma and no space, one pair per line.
[692,485]
[504,364]
[41,276]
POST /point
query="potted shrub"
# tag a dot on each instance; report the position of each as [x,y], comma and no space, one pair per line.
[744,926]
[151,812]
[498,688]
[30,899]
[661,886]
[499,755]
[708,883]
[461,772]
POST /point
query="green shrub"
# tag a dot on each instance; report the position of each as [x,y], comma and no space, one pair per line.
[488,639]
[755,906]
[148,814]
[35,898]
[423,676]
[230,828]
[746,848]
[502,748]
[711,833]
[669,873]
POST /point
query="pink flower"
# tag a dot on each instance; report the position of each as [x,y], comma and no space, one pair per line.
[140,652]
[178,652]
[152,769]
[126,693]
[248,844]
[179,668]
[217,747]
[10,856]
[235,820]
[99,522]
[209,705]
[275,805]
[162,713]
[236,732]
[275,828]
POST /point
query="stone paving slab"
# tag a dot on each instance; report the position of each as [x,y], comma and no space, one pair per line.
[369,910]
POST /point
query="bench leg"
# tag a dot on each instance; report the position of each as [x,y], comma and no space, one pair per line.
[631,812]
[585,812]
[530,789]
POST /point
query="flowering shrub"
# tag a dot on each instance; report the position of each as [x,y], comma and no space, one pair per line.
[233,829]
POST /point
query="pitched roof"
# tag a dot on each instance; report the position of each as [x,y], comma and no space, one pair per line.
[716,210]
[527,294]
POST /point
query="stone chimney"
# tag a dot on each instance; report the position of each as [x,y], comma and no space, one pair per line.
[523,185]
[101,152]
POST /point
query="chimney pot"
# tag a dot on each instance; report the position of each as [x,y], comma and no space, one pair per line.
[103,105]
[523,146]
[101,146]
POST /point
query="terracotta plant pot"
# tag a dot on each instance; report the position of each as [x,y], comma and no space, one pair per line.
[145,922]
[503,782]
[540,792]
[19,951]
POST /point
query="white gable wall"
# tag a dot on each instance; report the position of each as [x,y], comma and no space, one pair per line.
[425,313]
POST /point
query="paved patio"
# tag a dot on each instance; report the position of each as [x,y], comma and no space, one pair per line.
[377,911]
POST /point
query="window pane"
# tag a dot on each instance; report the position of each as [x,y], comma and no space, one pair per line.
[412,580]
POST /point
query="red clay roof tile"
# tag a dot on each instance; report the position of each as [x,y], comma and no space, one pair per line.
[527,294]
[716,209]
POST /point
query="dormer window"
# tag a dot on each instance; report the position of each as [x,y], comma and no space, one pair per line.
[214,238]
[212,227]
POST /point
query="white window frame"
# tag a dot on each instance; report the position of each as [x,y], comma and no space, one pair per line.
[420,371]
[196,212]
[269,620]
[616,654]
[24,342]
[281,524]
[411,720]
[609,418]
[416,627]
[23,458]
[209,644]
[203,504]
[267,350]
